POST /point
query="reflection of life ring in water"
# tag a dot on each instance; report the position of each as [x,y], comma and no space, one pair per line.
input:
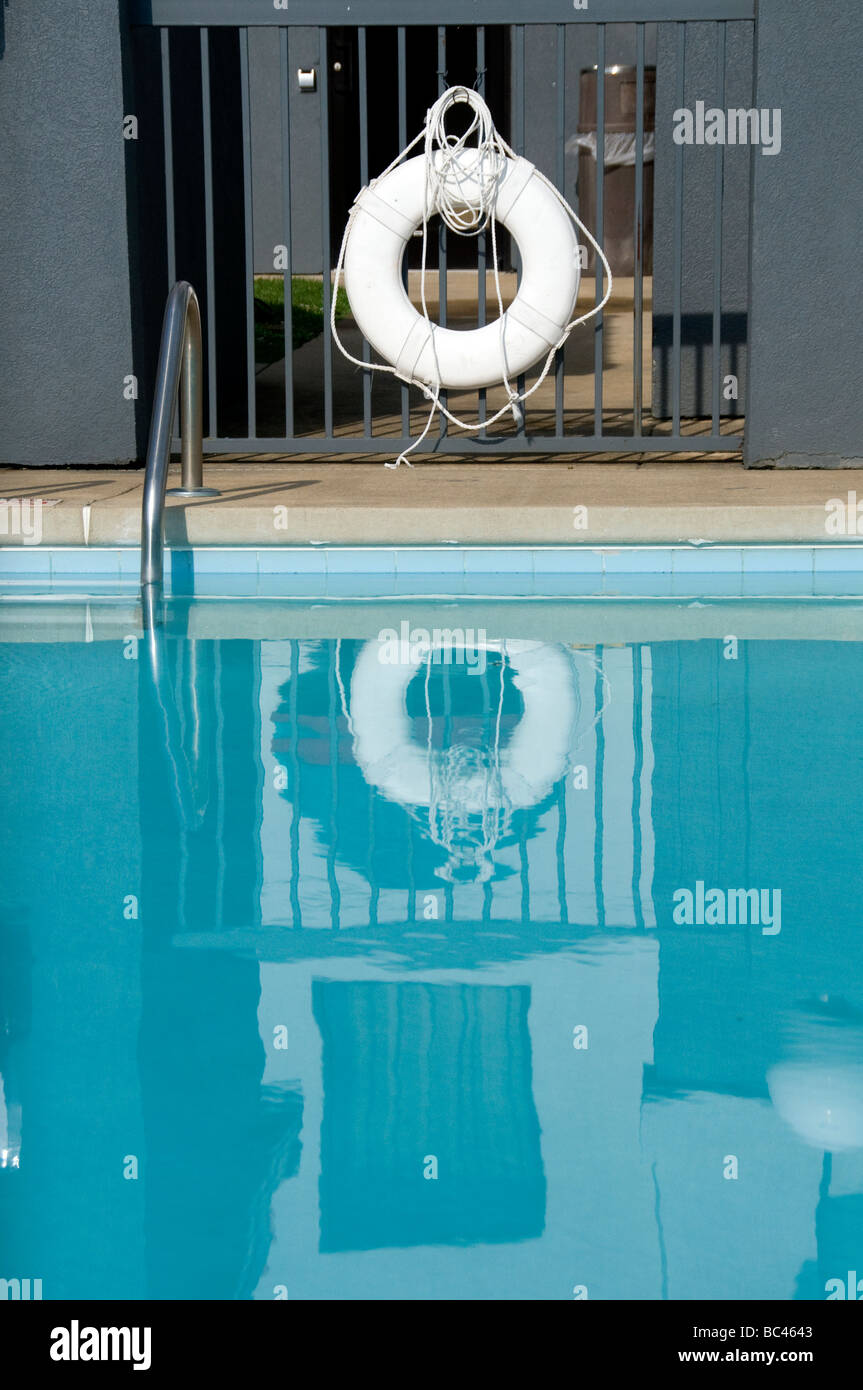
[470,793]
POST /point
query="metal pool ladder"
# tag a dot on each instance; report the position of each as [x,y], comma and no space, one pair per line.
[179,362]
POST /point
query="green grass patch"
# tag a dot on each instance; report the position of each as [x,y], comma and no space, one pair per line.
[307,314]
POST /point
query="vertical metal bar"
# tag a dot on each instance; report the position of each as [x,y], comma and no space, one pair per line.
[482,242]
[519,149]
[598,339]
[402,66]
[248,232]
[191,400]
[718,185]
[212,397]
[560,139]
[170,210]
[287,234]
[638,282]
[326,257]
[168,134]
[442,230]
[677,241]
[364,178]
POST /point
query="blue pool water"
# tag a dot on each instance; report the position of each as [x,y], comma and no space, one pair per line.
[335,969]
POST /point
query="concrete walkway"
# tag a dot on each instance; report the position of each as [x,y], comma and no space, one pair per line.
[439,503]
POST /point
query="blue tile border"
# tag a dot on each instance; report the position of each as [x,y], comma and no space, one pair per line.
[348,560]
[292,561]
[68,562]
[496,559]
[838,559]
[646,560]
[430,560]
[581,559]
[779,559]
[24,559]
[210,560]
[742,568]
[709,559]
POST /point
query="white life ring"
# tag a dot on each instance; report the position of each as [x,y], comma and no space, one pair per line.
[533,760]
[383,219]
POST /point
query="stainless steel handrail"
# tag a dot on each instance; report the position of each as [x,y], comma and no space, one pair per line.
[179,363]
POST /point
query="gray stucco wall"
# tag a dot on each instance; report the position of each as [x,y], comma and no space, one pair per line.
[65,319]
[805,398]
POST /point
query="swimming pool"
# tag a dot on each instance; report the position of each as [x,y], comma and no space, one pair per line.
[402,949]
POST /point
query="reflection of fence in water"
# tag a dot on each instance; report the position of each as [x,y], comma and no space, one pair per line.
[337,853]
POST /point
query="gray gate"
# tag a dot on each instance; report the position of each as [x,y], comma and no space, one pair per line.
[659,371]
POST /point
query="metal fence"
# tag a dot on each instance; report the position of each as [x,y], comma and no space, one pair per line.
[196,53]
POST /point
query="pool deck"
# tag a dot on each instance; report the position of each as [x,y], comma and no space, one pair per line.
[319,502]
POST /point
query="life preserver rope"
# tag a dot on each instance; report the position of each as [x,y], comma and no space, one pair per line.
[472,187]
